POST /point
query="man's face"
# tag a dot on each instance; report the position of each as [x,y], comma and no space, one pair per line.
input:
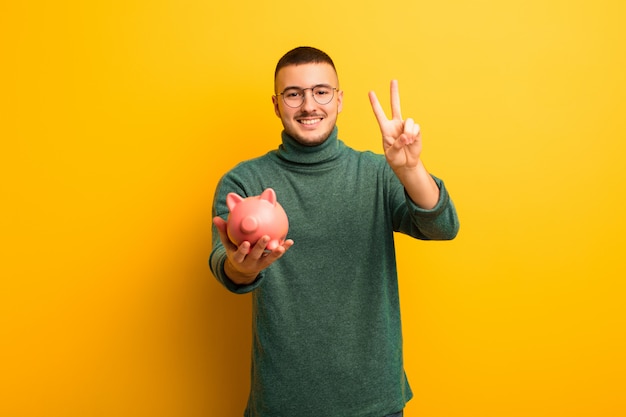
[311,123]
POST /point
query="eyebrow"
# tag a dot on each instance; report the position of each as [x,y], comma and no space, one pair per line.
[302,88]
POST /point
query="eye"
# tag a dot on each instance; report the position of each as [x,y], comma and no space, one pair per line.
[322,91]
[292,93]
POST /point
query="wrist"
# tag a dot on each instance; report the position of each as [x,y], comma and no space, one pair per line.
[408,174]
[237,276]
[419,185]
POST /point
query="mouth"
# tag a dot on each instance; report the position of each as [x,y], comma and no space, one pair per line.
[310,121]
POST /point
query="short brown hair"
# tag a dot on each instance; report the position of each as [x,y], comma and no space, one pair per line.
[304,55]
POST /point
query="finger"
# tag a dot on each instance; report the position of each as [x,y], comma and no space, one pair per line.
[220,223]
[242,251]
[401,142]
[395,149]
[411,129]
[396,112]
[279,251]
[221,226]
[259,248]
[416,134]
[411,126]
[416,130]
[378,109]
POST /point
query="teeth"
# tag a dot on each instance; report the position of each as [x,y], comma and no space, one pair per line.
[310,121]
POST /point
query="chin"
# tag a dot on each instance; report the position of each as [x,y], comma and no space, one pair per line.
[310,138]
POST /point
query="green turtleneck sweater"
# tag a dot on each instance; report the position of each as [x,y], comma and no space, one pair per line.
[327,336]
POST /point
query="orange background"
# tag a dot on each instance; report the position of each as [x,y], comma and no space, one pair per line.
[119,117]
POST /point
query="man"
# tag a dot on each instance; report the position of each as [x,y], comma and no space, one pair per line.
[326,317]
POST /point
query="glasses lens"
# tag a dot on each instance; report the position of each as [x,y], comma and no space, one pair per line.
[323,94]
[293,97]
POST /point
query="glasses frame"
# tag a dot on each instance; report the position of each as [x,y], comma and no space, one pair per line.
[304,95]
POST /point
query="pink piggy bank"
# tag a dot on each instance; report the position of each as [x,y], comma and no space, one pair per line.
[253,217]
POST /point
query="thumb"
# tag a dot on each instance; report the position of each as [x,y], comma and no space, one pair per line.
[220,223]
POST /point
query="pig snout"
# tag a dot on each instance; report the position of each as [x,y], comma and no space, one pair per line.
[249,224]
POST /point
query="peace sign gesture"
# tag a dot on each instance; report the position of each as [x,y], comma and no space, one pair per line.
[402,141]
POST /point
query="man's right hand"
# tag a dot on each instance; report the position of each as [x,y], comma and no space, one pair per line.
[244,263]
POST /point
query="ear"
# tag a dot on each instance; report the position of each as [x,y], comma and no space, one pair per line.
[269,195]
[232,200]
[339,101]
[275,103]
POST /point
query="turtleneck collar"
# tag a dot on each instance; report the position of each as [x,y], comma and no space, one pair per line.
[292,151]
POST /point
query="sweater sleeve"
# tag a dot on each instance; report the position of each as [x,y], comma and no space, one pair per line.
[439,223]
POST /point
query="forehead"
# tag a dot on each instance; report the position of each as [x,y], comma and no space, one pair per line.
[305,75]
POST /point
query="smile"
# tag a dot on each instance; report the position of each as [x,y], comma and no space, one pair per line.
[309,121]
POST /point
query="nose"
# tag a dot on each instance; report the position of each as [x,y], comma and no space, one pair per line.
[308,101]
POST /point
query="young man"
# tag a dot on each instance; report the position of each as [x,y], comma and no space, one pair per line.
[327,336]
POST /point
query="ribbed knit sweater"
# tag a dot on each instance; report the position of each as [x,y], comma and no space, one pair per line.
[327,338]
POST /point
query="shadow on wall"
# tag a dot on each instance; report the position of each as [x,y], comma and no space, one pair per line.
[227,340]
[222,323]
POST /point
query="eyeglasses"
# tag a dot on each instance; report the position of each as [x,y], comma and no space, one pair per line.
[294,96]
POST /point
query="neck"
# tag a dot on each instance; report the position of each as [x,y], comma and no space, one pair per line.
[294,151]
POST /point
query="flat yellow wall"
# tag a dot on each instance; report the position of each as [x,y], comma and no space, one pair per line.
[118,118]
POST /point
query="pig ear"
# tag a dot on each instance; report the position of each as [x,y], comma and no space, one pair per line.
[232,200]
[269,195]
